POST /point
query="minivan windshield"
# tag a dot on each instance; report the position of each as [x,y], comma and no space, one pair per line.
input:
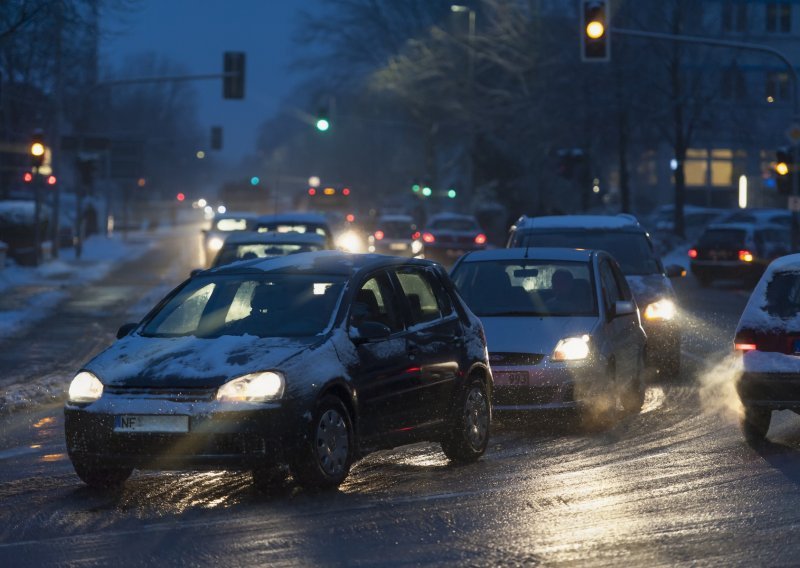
[283,305]
[526,288]
[631,250]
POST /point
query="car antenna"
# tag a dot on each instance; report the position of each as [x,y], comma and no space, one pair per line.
[526,251]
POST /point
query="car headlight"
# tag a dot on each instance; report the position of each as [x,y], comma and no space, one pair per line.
[350,242]
[85,388]
[215,243]
[255,387]
[660,310]
[572,349]
[416,247]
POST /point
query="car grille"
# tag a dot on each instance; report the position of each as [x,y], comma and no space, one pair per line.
[177,445]
[514,359]
[172,394]
[512,396]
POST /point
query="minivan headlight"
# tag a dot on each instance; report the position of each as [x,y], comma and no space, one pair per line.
[85,388]
[255,387]
[661,310]
[572,349]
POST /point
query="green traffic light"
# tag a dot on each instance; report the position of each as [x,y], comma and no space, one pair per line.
[451,193]
[415,188]
[426,191]
[323,124]
[255,180]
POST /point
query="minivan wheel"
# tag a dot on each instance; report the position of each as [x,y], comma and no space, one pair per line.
[101,477]
[468,433]
[755,424]
[323,459]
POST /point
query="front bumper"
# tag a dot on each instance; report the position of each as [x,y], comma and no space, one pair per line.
[219,435]
[776,391]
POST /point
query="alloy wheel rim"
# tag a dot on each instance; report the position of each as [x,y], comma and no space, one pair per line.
[332,442]
[476,418]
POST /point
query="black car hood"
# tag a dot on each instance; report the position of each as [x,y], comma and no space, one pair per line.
[649,288]
[149,362]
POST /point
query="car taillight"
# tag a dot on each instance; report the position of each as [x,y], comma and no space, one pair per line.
[379,235]
[692,253]
[745,346]
[744,341]
[745,256]
[428,237]
[480,239]
[416,235]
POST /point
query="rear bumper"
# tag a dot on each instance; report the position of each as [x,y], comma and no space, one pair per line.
[776,391]
[725,269]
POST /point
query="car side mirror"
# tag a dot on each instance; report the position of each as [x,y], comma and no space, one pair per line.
[675,271]
[622,308]
[126,329]
[195,272]
[369,331]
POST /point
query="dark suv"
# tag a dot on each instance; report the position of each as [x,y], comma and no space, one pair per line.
[310,360]
[629,244]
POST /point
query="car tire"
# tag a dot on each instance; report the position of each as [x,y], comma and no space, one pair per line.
[268,477]
[324,457]
[633,397]
[469,425]
[101,477]
[755,424]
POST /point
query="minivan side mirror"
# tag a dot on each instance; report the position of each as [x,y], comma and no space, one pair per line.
[622,308]
[125,329]
[675,271]
[369,331]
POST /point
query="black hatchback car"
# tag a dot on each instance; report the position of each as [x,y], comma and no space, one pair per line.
[307,361]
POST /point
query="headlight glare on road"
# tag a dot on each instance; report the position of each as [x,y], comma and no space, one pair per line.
[215,243]
[255,387]
[660,310]
[572,349]
[85,388]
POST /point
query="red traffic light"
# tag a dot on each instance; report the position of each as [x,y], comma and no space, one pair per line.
[180,197]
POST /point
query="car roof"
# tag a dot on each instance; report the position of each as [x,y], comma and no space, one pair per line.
[443,216]
[235,215]
[248,237]
[530,253]
[298,217]
[328,262]
[585,222]
[399,218]
[749,227]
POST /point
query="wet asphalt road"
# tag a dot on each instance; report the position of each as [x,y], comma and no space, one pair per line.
[673,485]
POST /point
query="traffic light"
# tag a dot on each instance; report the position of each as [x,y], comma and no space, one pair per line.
[37,149]
[451,193]
[595,42]
[784,170]
[323,123]
[216,138]
[233,79]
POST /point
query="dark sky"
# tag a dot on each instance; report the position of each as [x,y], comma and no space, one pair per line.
[195,33]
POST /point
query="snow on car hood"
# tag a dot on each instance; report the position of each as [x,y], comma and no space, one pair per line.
[769,362]
[190,361]
[649,288]
[532,334]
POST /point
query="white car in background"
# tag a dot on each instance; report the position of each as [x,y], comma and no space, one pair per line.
[222,225]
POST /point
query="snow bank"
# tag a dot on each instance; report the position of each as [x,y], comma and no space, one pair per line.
[37,307]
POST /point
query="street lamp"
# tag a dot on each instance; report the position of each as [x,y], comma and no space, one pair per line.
[461,9]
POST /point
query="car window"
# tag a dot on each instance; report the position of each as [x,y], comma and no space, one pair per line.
[611,290]
[396,229]
[233,253]
[420,296]
[783,295]
[454,225]
[622,284]
[231,225]
[293,228]
[632,251]
[722,238]
[184,317]
[373,302]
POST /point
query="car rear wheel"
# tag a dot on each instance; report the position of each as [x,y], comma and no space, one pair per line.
[324,457]
[101,477]
[469,425]
[755,424]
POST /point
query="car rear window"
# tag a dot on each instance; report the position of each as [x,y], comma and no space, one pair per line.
[722,238]
[233,253]
[454,225]
[231,225]
[396,229]
[293,228]
[783,295]
[631,250]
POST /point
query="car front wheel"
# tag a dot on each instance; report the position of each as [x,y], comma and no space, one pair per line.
[469,427]
[755,424]
[101,477]
[323,459]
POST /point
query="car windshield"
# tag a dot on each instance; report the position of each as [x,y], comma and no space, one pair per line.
[293,228]
[454,225]
[631,250]
[396,229]
[231,224]
[263,305]
[722,238]
[233,253]
[526,288]
[783,295]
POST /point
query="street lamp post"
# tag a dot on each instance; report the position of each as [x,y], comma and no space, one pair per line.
[470,168]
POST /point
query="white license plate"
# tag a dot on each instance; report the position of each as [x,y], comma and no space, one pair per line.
[149,423]
[511,378]
[397,246]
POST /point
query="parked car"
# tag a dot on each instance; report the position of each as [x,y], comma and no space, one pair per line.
[394,234]
[297,223]
[18,229]
[562,327]
[737,250]
[247,245]
[309,360]
[629,244]
[768,338]
[222,225]
[447,236]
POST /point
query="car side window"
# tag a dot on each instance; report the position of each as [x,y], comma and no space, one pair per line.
[442,296]
[420,296]
[622,284]
[373,302]
[611,290]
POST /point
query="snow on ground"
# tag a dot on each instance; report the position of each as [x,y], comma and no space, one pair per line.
[35,308]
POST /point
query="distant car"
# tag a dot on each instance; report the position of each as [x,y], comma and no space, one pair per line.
[297,223]
[768,337]
[309,360]
[394,234]
[562,327]
[737,251]
[627,241]
[222,225]
[447,236]
[249,244]
[781,217]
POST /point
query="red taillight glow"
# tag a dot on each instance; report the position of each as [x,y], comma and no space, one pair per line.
[745,346]
[346,191]
[428,238]
[480,239]
[692,253]
[745,256]
[28,177]
[51,180]
[180,197]
[312,191]
[416,235]
[350,217]
[379,235]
